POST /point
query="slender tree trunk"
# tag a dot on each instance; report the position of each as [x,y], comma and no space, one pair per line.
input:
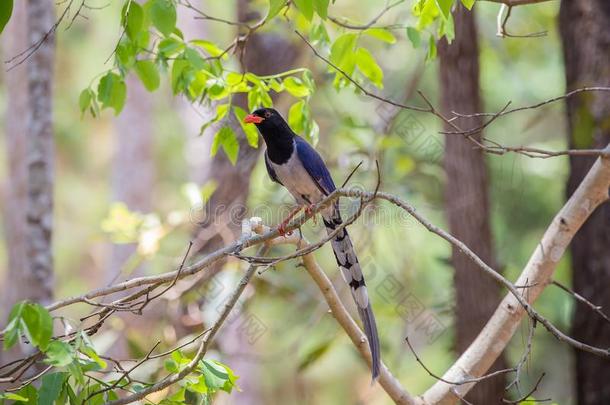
[132,184]
[30,146]
[31,155]
[467,196]
[16,82]
[585,32]
[133,166]
[40,153]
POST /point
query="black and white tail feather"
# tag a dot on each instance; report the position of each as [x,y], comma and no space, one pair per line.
[352,274]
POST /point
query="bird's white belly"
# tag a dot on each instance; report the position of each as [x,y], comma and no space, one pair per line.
[297,181]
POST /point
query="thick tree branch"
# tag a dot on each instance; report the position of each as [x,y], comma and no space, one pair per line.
[538,273]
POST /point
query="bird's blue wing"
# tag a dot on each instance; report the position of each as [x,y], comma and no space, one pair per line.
[314,165]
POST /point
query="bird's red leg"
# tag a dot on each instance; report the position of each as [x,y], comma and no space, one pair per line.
[309,211]
[282,226]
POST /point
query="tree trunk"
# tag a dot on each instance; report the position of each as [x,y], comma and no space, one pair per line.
[29,139]
[133,166]
[40,154]
[586,44]
[30,142]
[133,171]
[15,187]
[466,195]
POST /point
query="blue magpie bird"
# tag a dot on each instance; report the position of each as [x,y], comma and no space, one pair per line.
[293,163]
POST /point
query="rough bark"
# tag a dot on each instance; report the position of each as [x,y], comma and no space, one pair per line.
[467,196]
[31,155]
[30,146]
[40,154]
[586,43]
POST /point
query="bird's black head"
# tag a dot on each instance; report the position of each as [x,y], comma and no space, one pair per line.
[275,131]
[268,121]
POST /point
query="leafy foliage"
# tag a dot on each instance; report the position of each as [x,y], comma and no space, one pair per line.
[199,69]
[6,9]
[75,357]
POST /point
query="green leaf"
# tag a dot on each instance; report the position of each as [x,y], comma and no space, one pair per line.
[426,11]
[133,18]
[444,6]
[45,327]
[226,138]
[76,372]
[51,387]
[249,129]
[59,354]
[148,74]
[318,34]
[194,58]
[468,4]
[211,48]
[163,16]
[381,34]
[342,52]
[446,29]
[171,366]
[198,386]
[215,374]
[296,87]
[342,47]
[414,37]
[90,352]
[230,384]
[369,67]
[85,99]
[112,92]
[305,7]
[11,334]
[126,54]
[170,47]
[37,325]
[6,9]
[14,397]
[177,75]
[296,117]
[321,7]
[274,8]
[431,48]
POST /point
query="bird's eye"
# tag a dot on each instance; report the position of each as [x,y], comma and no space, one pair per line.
[267,114]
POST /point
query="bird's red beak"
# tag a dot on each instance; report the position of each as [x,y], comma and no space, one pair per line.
[253,119]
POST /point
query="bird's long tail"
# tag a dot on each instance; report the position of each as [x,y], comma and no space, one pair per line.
[352,273]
